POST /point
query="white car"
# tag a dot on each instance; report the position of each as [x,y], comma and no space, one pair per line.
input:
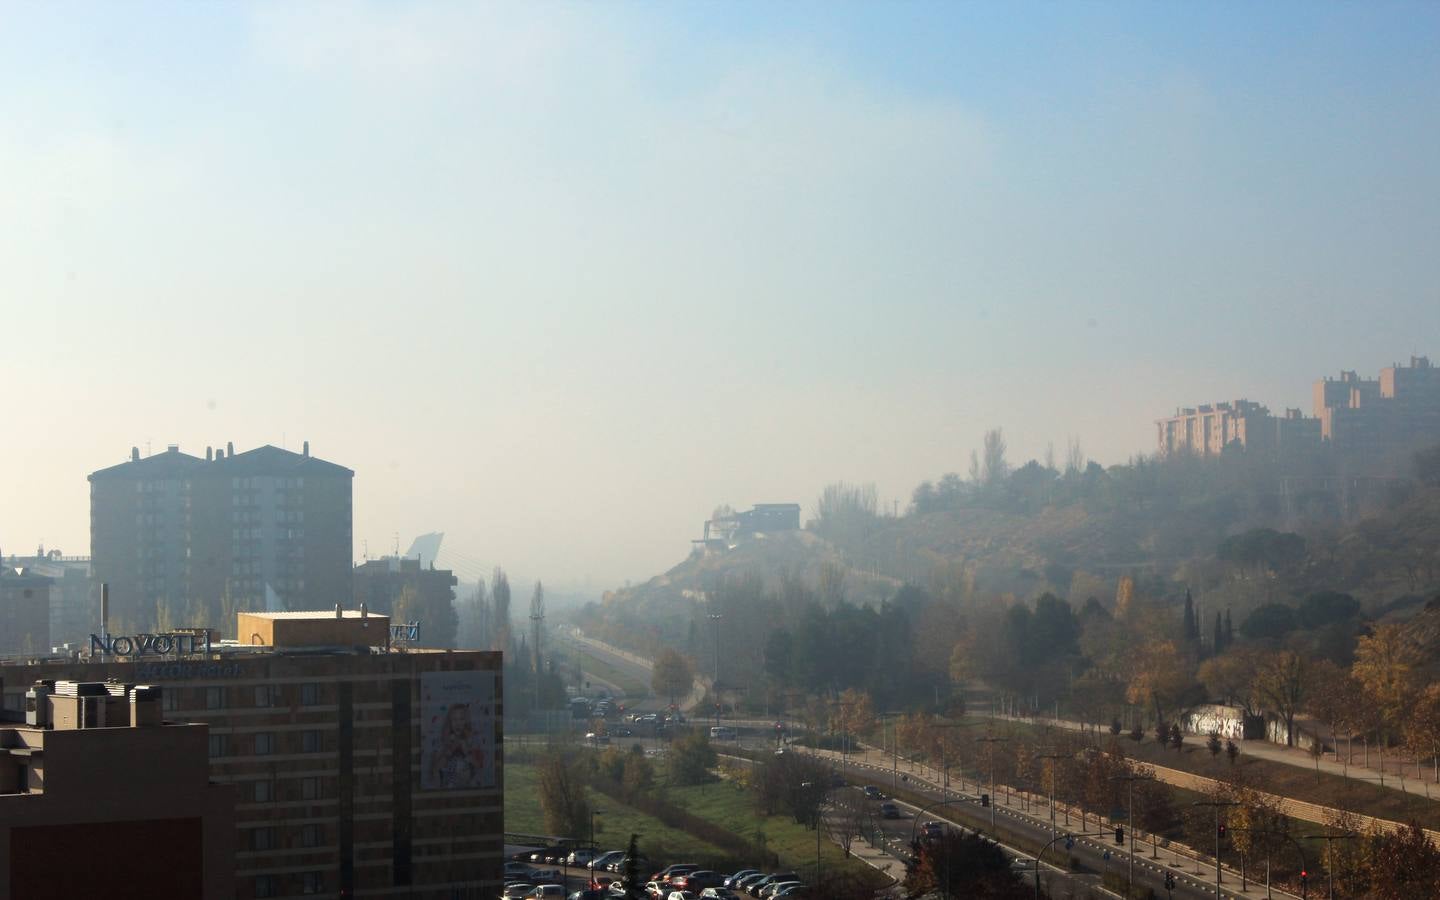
[580,857]
[680,895]
[546,892]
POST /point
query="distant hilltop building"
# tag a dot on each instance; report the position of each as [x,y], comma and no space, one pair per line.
[1207,430]
[223,531]
[1374,419]
[762,518]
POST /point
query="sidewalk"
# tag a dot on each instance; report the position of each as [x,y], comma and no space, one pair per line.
[922,776]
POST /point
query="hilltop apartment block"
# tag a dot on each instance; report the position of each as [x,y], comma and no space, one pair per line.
[1377,418]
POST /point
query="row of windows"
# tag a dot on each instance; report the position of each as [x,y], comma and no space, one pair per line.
[262,695]
[267,837]
[311,788]
[270,885]
[265,743]
[256,481]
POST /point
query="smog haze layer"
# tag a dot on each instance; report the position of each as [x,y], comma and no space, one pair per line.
[558,279]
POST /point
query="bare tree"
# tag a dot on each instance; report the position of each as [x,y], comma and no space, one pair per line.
[1074,457]
[995,468]
[500,591]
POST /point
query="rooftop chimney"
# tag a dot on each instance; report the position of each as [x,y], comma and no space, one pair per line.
[134,454]
[305,449]
[172,448]
[229,448]
[209,453]
[339,611]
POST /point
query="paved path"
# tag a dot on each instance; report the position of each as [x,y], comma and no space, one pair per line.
[1290,756]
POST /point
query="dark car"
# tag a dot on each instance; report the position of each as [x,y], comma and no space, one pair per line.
[587,895]
[933,830]
[755,888]
[872,792]
[734,880]
[889,810]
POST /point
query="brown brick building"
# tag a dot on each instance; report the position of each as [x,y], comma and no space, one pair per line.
[358,769]
[98,798]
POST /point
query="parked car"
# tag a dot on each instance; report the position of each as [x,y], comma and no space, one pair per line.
[744,883]
[771,890]
[718,893]
[545,854]
[546,876]
[796,891]
[546,892]
[654,889]
[698,880]
[580,856]
[666,874]
[604,860]
[587,894]
[597,738]
[889,810]
[730,882]
[755,887]
[516,890]
[515,871]
[681,895]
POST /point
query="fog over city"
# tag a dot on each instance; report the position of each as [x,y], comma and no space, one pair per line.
[559,279]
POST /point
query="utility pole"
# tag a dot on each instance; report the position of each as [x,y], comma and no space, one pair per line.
[1216,804]
[715,685]
[992,741]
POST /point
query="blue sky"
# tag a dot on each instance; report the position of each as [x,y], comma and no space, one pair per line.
[559,278]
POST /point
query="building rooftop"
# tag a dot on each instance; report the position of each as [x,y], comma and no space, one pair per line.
[316,614]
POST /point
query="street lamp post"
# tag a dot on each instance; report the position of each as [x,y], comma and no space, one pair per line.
[1329,857]
[992,741]
[1054,777]
[1067,837]
[1216,804]
[1130,818]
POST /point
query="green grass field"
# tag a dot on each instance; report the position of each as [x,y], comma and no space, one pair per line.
[614,822]
[723,803]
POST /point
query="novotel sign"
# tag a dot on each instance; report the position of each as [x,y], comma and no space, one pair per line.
[180,643]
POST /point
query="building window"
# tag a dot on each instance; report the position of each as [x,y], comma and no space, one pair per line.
[264,695]
[170,699]
[310,788]
[267,886]
[219,745]
[312,835]
[214,698]
[309,694]
[312,883]
[264,791]
[262,838]
[310,741]
[264,743]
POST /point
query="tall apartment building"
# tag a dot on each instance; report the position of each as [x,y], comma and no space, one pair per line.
[100,798]
[198,536]
[1207,430]
[1382,418]
[360,769]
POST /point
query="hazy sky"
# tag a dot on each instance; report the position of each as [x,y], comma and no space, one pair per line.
[559,278]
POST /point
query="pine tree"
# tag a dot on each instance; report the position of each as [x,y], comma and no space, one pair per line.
[1192,631]
[1219,642]
[1229,628]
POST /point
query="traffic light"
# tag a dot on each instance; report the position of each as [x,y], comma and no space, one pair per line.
[1120,835]
[1222,831]
[984,799]
[1304,877]
[1169,881]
